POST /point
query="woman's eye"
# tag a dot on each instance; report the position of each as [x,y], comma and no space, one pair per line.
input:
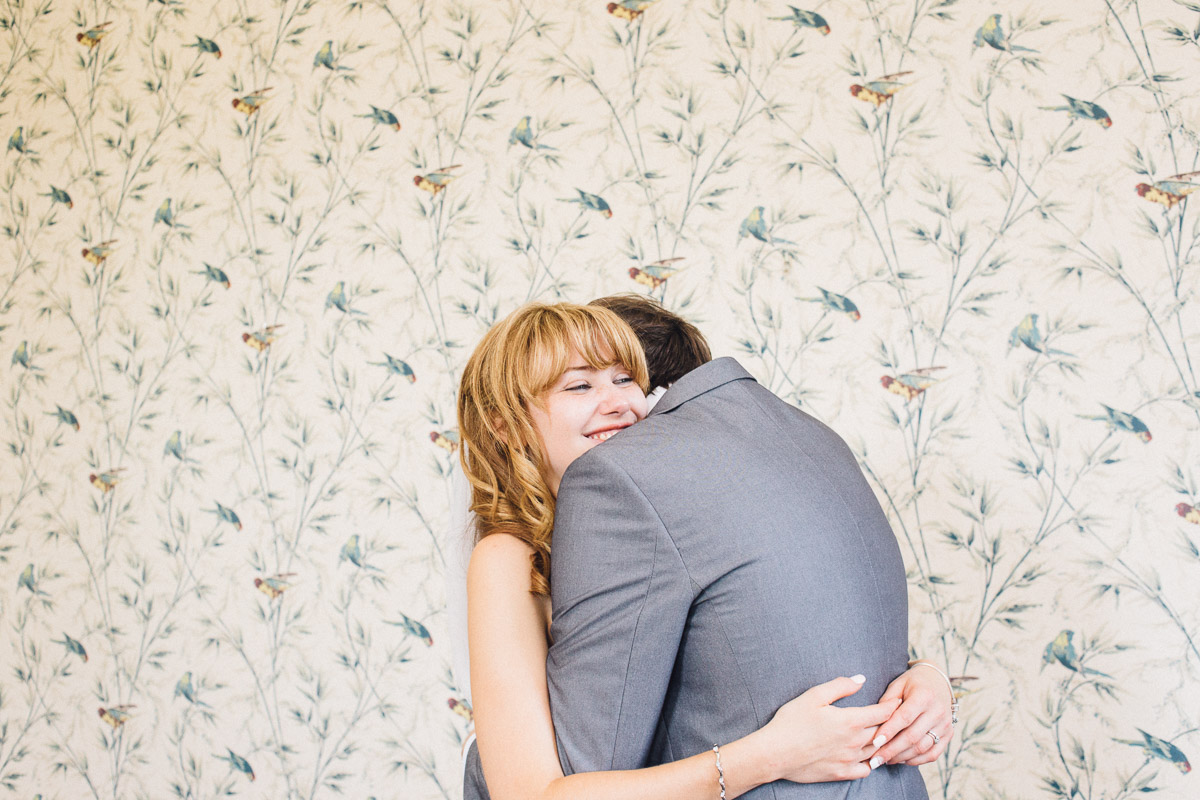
[578,387]
[623,379]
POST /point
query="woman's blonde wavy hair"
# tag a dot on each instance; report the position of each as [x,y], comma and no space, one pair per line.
[517,361]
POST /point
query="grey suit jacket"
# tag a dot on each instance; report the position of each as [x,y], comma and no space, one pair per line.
[709,564]
[474,786]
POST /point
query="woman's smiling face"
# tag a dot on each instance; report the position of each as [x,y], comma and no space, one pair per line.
[581,409]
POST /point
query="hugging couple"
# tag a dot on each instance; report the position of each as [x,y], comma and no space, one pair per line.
[721,577]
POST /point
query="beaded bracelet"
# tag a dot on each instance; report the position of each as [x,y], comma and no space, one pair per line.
[949,685]
[720,772]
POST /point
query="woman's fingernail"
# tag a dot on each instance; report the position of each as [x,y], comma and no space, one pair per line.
[879,741]
[859,678]
[875,762]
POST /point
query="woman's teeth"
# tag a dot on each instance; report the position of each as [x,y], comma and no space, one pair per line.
[601,436]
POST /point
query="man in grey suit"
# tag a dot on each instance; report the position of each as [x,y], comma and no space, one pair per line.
[711,563]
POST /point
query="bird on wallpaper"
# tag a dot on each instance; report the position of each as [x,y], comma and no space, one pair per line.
[382,117]
[992,34]
[592,201]
[228,515]
[447,439]
[92,36]
[836,302]
[72,645]
[337,298]
[64,416]
[910,385]
[1082,109]
[17,140]
[1170,191]
[273,586]
[755,224]
[324,57]
[166,215]
[97,253]
[20,356]
[656,274]
[1189,513]
[462,707]
[106,481]
[880,90]
[261,339]
[1028,334]
[116,716]
[184,688]
[397,367]
[1120,420]
[187,690]
[28,579]
[352,552]
[60,196]
[522,134]
[413,628]
[174,445]
[1062,650]
[206,46]
[215,274]
[806,19]
[1155,747]
[436,181]
[248,104]
[238,763]
[629,10]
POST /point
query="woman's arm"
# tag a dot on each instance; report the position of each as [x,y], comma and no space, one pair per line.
[809,739]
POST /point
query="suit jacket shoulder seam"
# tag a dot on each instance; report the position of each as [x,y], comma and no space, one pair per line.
[661,524]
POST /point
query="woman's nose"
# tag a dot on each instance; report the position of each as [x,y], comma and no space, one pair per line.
[614,401]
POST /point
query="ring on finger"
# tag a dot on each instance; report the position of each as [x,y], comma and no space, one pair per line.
[936,738]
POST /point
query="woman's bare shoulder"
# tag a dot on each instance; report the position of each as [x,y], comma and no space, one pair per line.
[500,554]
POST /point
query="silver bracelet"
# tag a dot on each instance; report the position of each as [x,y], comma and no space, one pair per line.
[949,685]
[720,772]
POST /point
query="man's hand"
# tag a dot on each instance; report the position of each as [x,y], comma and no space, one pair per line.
[925,706]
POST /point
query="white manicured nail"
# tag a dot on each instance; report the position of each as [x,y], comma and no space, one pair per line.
[859,678]
[875,761]
[879,741]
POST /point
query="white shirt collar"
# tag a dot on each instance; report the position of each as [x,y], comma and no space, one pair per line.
[655,394]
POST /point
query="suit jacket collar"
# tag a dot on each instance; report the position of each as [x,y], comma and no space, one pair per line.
[703,378]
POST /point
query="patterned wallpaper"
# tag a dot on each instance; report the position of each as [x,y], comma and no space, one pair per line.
[247,247]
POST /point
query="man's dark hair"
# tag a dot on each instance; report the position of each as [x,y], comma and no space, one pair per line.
[674,347]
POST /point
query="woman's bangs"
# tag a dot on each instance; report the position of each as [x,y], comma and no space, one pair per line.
[593,343]
[610,342]
[549,349]
[597,335]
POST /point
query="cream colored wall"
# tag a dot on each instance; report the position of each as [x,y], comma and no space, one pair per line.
[946,215]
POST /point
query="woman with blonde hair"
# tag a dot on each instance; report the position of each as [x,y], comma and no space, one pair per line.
[545,385]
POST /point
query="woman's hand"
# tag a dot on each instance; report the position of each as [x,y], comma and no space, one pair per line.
[925,707]
[810,740]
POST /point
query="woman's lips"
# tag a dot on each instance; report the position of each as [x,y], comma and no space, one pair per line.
[600,436]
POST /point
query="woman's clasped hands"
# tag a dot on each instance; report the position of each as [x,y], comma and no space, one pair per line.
[812,740]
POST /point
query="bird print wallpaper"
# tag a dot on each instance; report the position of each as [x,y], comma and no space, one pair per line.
[248,245]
